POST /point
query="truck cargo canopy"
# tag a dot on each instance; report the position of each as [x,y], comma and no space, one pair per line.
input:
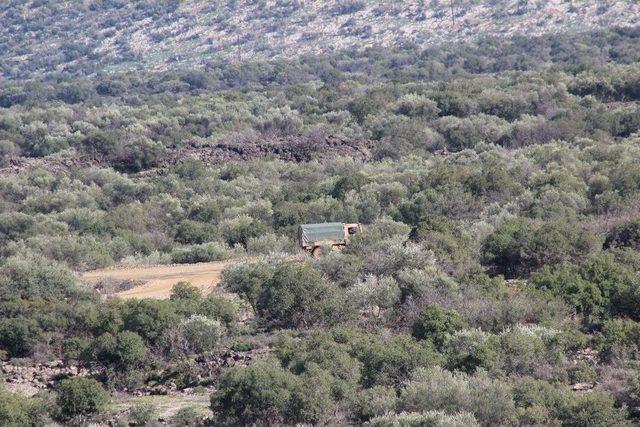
[311,233]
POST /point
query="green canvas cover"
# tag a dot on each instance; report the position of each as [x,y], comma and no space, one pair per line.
[328,231]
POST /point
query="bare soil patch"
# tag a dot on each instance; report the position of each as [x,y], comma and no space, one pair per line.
[157,280]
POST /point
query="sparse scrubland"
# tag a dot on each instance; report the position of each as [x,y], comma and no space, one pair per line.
[496,282]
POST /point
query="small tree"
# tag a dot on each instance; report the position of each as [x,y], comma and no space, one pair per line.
[81,397]
[14,409]
[296,296]
[189,416]
[257,394]
[201,333]
[247,279]
[436,322]
[124,351]
[143,413]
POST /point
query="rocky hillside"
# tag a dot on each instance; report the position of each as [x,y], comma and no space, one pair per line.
[44,36]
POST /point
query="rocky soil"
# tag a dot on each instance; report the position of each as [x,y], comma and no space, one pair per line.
[292,148]
[39,376]
[31,378]
[298,148]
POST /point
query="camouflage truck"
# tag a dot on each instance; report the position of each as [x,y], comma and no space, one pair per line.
[313,237]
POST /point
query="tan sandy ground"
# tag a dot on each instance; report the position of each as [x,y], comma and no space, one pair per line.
[159,279]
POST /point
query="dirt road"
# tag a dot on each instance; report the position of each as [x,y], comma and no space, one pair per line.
[159,279]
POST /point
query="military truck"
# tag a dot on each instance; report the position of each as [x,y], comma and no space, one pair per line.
[335,235]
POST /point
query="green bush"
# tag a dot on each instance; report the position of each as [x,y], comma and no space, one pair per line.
[567,281]
[436,322]
[188,416]
[624,235]
[519,246]
[143,414]
[186,299]
[79,396]
[374,402]
[391,361]
[468,350]
[295,296]
[201,333]
[259,394]
[206,252]
[619,339]
[19,335]
[16,411]
[247,279]
[32,277]
[149,318]
[124,351]
[239,230]
[437,389]
[424,419]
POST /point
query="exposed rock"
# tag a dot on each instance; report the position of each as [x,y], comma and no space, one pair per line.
[41,376]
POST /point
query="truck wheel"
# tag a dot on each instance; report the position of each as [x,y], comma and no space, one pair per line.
[317,252]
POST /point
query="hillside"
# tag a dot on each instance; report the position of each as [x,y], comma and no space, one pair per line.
[40,36]
[158,157]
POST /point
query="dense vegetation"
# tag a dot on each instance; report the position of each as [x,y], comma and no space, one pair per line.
[48,36]
[497,273]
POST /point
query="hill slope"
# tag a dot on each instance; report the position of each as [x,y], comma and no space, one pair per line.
[46,36]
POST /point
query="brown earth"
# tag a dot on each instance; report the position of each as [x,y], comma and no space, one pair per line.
[159,279]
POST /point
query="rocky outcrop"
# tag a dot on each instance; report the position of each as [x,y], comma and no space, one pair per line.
[41,375]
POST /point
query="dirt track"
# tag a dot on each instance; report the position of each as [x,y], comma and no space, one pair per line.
[159,279]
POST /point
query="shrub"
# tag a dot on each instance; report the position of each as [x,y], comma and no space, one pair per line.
[312,398]
[189,416]
[381,292]
[567,282]
[597,408]
[143,414]
[519,246]
[296,296]
[424,419]
[619,339]
[19,335]
[15,410]
[436,322]
[352,181]
[468,350]
[194,232]
[149,318]
[391,361]
[205,252]
[324,350]
[413,105]
[239,230]
[259,394]
[124,351]
[247,279]
[80,397]
[201,333]
[339,267]
[186,298]
[437,389]
[624,235]
[521,351]
[32,277]
[374,402]
[268,243]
